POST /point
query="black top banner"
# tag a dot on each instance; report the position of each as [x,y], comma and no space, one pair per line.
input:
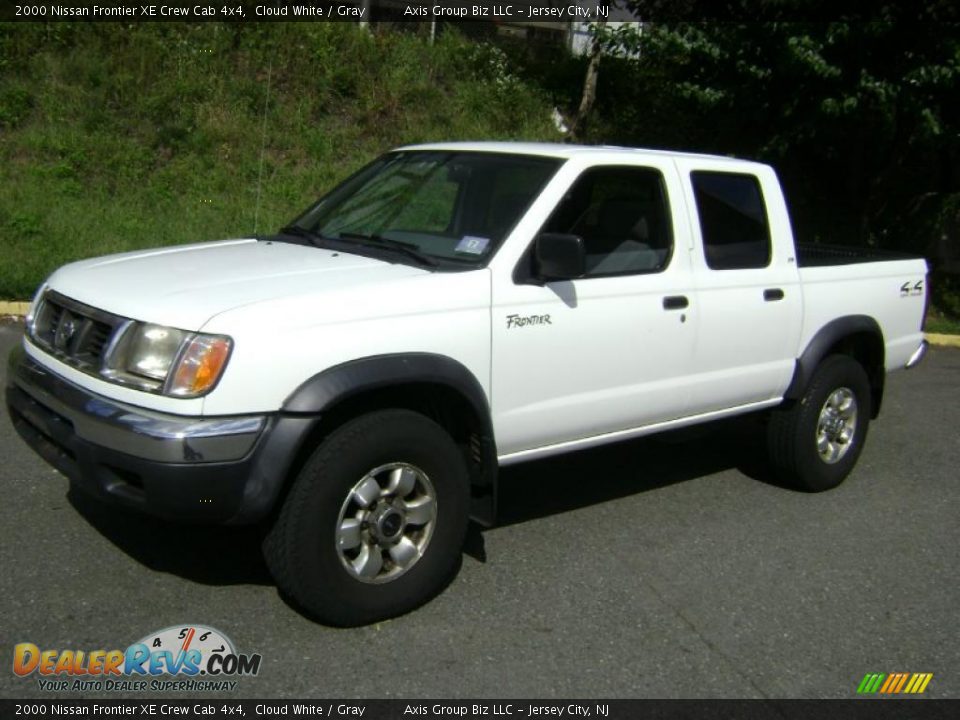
[493,709]
[506,11]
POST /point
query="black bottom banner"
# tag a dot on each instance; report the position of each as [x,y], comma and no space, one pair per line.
[866,709]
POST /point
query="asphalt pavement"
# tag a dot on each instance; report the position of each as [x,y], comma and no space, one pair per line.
[647,569]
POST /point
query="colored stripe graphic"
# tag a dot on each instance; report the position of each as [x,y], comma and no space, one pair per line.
[870,683]
[919,681]
[894,683]
[892,680]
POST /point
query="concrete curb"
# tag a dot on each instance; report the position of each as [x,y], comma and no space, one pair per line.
[19,309]
[943,340]
[14,308]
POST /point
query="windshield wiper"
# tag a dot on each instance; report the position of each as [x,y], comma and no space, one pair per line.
[407,249]
[315,238]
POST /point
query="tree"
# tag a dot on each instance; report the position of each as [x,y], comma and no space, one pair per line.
[589,95]
[860,117]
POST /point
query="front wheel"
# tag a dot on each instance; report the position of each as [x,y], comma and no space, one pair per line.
[814,444]
[374,523]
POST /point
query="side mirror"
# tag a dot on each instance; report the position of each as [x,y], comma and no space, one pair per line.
[559,256]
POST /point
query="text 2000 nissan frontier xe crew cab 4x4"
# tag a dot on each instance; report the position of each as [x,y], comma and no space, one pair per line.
[357,379]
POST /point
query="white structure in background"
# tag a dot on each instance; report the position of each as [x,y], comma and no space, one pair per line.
[579,32]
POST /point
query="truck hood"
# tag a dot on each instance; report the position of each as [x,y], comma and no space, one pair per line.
[184,286]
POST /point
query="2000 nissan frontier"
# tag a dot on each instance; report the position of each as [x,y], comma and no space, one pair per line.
[357,379]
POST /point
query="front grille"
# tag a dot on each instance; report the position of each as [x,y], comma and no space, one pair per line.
[75,333]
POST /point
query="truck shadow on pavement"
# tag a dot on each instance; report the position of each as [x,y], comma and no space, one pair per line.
[589,477]
[223,555]
[210,555]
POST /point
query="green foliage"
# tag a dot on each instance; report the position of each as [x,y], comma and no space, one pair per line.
[15,102]
[116,137]
[940,324]
[945,295]
[860,118]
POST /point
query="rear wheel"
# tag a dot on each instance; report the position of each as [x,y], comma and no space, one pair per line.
[374,523]
[814,444]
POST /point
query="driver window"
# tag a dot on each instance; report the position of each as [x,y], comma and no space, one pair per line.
[622,215]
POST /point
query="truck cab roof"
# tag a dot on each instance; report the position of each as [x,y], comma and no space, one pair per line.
[567,151]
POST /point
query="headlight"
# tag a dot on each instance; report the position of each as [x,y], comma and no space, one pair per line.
[152,350]
[166,360]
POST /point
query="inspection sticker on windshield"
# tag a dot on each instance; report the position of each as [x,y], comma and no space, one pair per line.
[472,244]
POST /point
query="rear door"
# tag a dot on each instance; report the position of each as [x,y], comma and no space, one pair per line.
[747,282]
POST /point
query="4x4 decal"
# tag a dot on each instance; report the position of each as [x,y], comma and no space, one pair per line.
[909,290]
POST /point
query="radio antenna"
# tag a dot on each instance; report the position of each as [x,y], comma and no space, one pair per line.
[263,147]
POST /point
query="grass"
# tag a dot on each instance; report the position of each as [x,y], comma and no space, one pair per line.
[939,323]
[118,137]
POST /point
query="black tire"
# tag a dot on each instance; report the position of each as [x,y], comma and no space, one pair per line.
[301,548]
[792,433]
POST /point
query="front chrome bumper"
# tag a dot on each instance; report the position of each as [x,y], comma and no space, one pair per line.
[220,470]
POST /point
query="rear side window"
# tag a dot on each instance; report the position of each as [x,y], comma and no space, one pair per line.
[733,220]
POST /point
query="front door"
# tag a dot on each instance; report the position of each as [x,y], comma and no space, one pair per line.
[610,351]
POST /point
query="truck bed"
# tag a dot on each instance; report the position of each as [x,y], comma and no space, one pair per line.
[820,255]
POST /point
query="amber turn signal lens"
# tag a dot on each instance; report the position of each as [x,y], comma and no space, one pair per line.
[200,366]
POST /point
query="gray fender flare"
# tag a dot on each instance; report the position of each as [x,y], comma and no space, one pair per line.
[341,382]
[827,337]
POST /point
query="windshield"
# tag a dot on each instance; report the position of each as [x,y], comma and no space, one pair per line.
[451,207]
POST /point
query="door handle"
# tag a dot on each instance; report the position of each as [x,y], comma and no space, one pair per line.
[675,302]
[773,294]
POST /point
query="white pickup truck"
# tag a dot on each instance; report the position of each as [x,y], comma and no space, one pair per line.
[356,380]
